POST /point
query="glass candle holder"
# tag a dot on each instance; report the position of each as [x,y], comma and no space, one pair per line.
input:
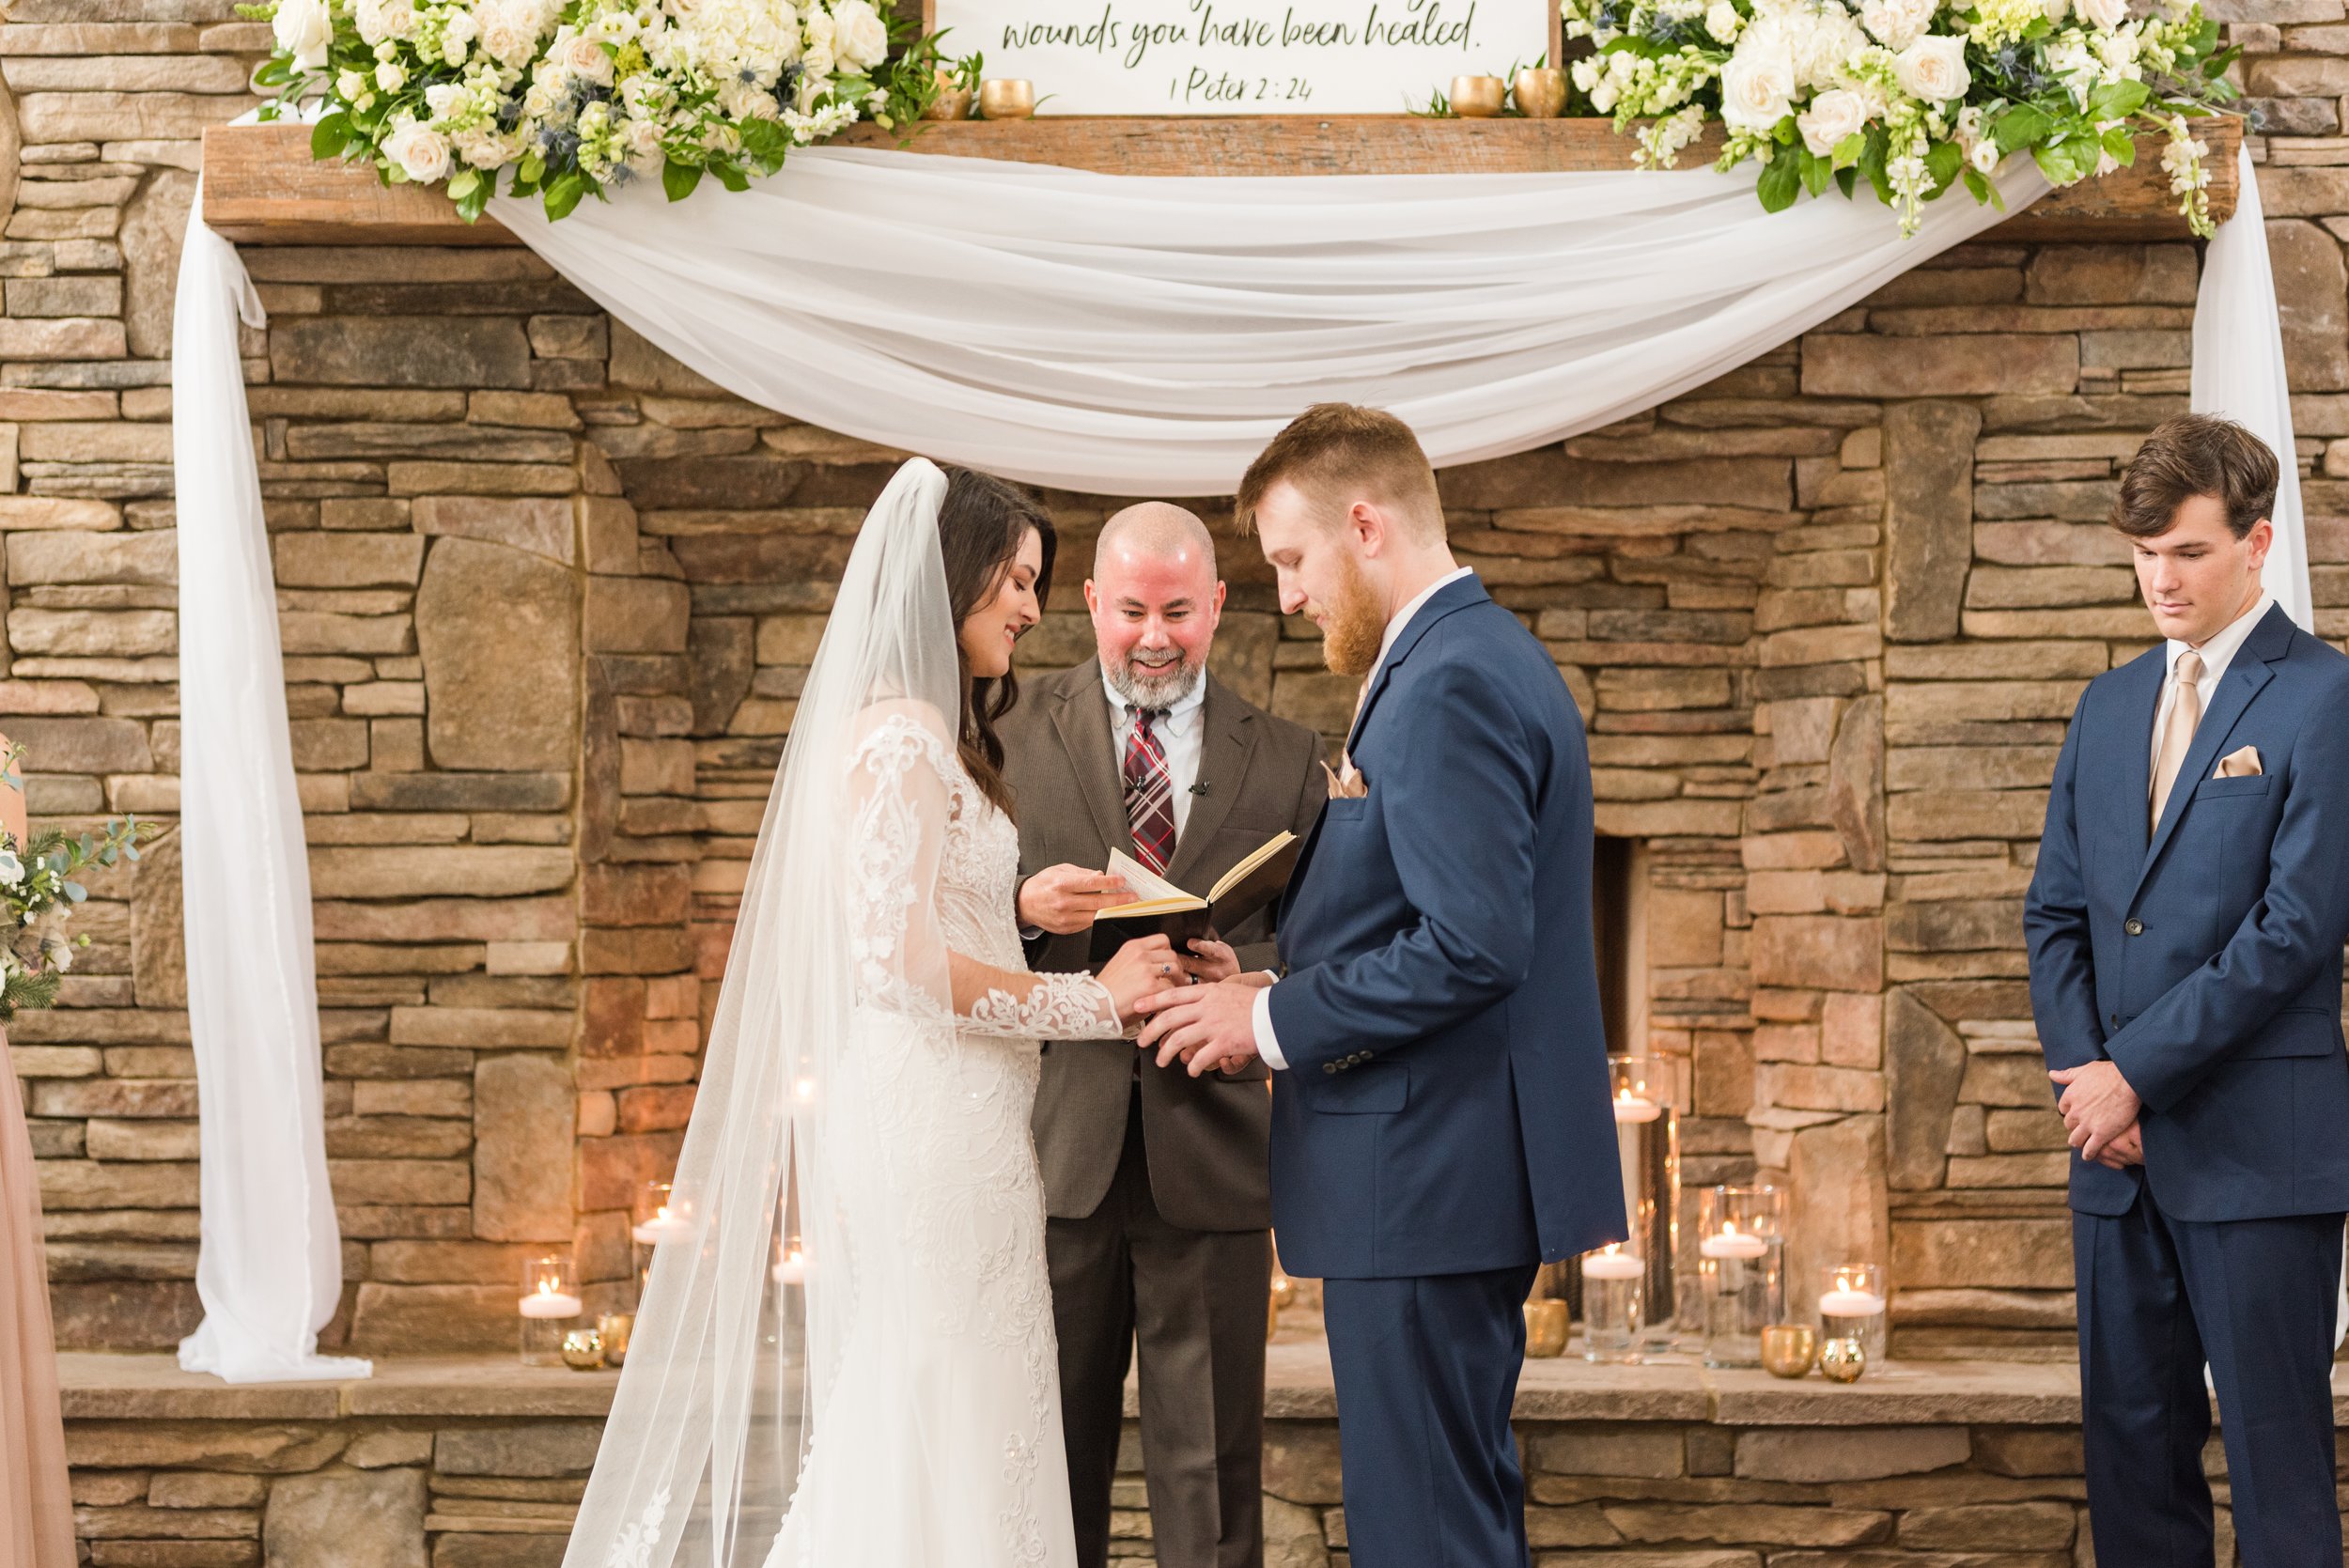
[657,1217]
[1741,1260]
[1647,1094]
[1614,1293]
[1851,1302]
[550,1308]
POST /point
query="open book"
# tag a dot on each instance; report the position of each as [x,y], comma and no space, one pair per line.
[1239,893]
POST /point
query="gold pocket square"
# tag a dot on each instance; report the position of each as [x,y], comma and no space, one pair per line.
[2240,764]
[1347,784]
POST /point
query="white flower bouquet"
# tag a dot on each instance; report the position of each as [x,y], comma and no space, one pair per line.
[564,98]
[1911,96]
[39,892]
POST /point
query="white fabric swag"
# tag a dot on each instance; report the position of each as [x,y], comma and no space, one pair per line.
[1113,334]
[269,1269]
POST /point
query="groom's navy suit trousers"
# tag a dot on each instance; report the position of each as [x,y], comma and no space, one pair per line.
[1443,1124]
[2201,955]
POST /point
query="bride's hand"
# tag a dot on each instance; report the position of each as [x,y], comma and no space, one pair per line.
[1142,967]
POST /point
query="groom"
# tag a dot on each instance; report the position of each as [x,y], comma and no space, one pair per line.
[1441,1122]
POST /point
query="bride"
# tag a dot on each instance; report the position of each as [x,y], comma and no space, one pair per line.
[848,1363]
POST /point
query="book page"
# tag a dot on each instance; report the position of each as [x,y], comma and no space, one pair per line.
[1238,874]
[1147,886]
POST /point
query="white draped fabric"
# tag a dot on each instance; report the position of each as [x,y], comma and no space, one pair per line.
[1114,334]
[2239,372]
[269,1270]
[1131,336]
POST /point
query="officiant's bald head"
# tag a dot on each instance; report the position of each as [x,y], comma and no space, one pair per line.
[1155,603]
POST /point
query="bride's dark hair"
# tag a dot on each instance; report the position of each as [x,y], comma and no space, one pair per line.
[980,526]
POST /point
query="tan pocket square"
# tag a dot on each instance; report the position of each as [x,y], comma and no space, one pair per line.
[2242,764]
[1347,783]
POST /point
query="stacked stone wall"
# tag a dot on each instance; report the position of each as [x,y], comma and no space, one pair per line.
[547,599]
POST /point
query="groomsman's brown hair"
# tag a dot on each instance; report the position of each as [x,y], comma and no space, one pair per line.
[2191,454]
[1332,450]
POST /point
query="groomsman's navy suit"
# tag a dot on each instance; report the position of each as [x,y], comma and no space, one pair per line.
[2203,957]
[1443,1122]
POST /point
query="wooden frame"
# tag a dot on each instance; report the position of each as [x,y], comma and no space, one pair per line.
[262,187]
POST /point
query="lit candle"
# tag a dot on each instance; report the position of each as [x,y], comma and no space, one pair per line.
[1612,1264]
[1636,1107]
[546,1301]
[1847,1299]
[791,1268]
[1733,1243]
[663,1226]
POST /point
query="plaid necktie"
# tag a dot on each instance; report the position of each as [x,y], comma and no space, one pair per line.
[1149,793]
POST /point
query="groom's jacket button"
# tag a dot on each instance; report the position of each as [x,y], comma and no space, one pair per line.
[2134,927]
[1329,1067]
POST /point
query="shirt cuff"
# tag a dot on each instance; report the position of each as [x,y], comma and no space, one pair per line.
[1268,1044]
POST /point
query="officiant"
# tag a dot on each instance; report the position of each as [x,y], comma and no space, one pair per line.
[1155,1181]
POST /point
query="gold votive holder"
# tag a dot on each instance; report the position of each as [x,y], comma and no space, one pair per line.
[1540,92]
[1007,97]
[615,1327]
[1843,1360]
[1788,1349]
[1546,1326]
[583,1350]
[1478,97]
[953,100]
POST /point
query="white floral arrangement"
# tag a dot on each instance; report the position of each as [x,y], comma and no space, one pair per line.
[38,895]
[565,99]
[1912,96]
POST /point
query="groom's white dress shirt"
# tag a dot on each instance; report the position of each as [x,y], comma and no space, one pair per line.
[1267,1043]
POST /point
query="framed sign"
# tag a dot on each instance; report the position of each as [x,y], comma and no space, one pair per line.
[1246,57]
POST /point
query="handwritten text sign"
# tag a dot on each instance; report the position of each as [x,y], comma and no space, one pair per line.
[1244,56]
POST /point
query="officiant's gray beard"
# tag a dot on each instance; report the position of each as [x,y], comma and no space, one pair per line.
[1160,691]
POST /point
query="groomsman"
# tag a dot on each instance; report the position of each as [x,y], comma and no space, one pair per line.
[2186,922]
[1155,1181]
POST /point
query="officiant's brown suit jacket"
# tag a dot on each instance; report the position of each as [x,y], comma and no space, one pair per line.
[1206,1138]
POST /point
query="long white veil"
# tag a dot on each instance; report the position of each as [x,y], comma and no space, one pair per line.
[726,1371]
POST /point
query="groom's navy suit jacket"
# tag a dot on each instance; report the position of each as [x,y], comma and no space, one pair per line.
[2203,957]
[1446,1107]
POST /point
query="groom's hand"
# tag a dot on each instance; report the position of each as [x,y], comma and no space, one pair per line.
[1206,1026]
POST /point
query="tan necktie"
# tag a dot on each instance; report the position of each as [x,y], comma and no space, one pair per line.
[2177,733]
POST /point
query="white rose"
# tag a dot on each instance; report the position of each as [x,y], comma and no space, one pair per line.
[860,37]
[1825,42]
[1896,23]
[2104,14]
[389,77]
[1984,157]
[303,29]
[585,57]
[1723,22]
[440,96]
[459,28]
[817,52]
[1933,69]
[421,153]
[1832,116]
[1757,84]
[510,32]
[2056,10]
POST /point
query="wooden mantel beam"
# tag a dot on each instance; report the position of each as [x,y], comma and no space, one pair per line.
[262,187]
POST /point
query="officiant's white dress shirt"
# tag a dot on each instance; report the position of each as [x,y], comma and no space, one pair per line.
[1180,734]
[1267,1043]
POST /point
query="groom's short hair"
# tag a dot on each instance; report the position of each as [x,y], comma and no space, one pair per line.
[1334,454]
[2197,454]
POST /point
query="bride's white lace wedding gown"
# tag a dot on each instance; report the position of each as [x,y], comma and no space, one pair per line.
[935,1390]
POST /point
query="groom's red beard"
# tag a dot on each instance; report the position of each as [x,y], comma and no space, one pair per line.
[1353,623]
